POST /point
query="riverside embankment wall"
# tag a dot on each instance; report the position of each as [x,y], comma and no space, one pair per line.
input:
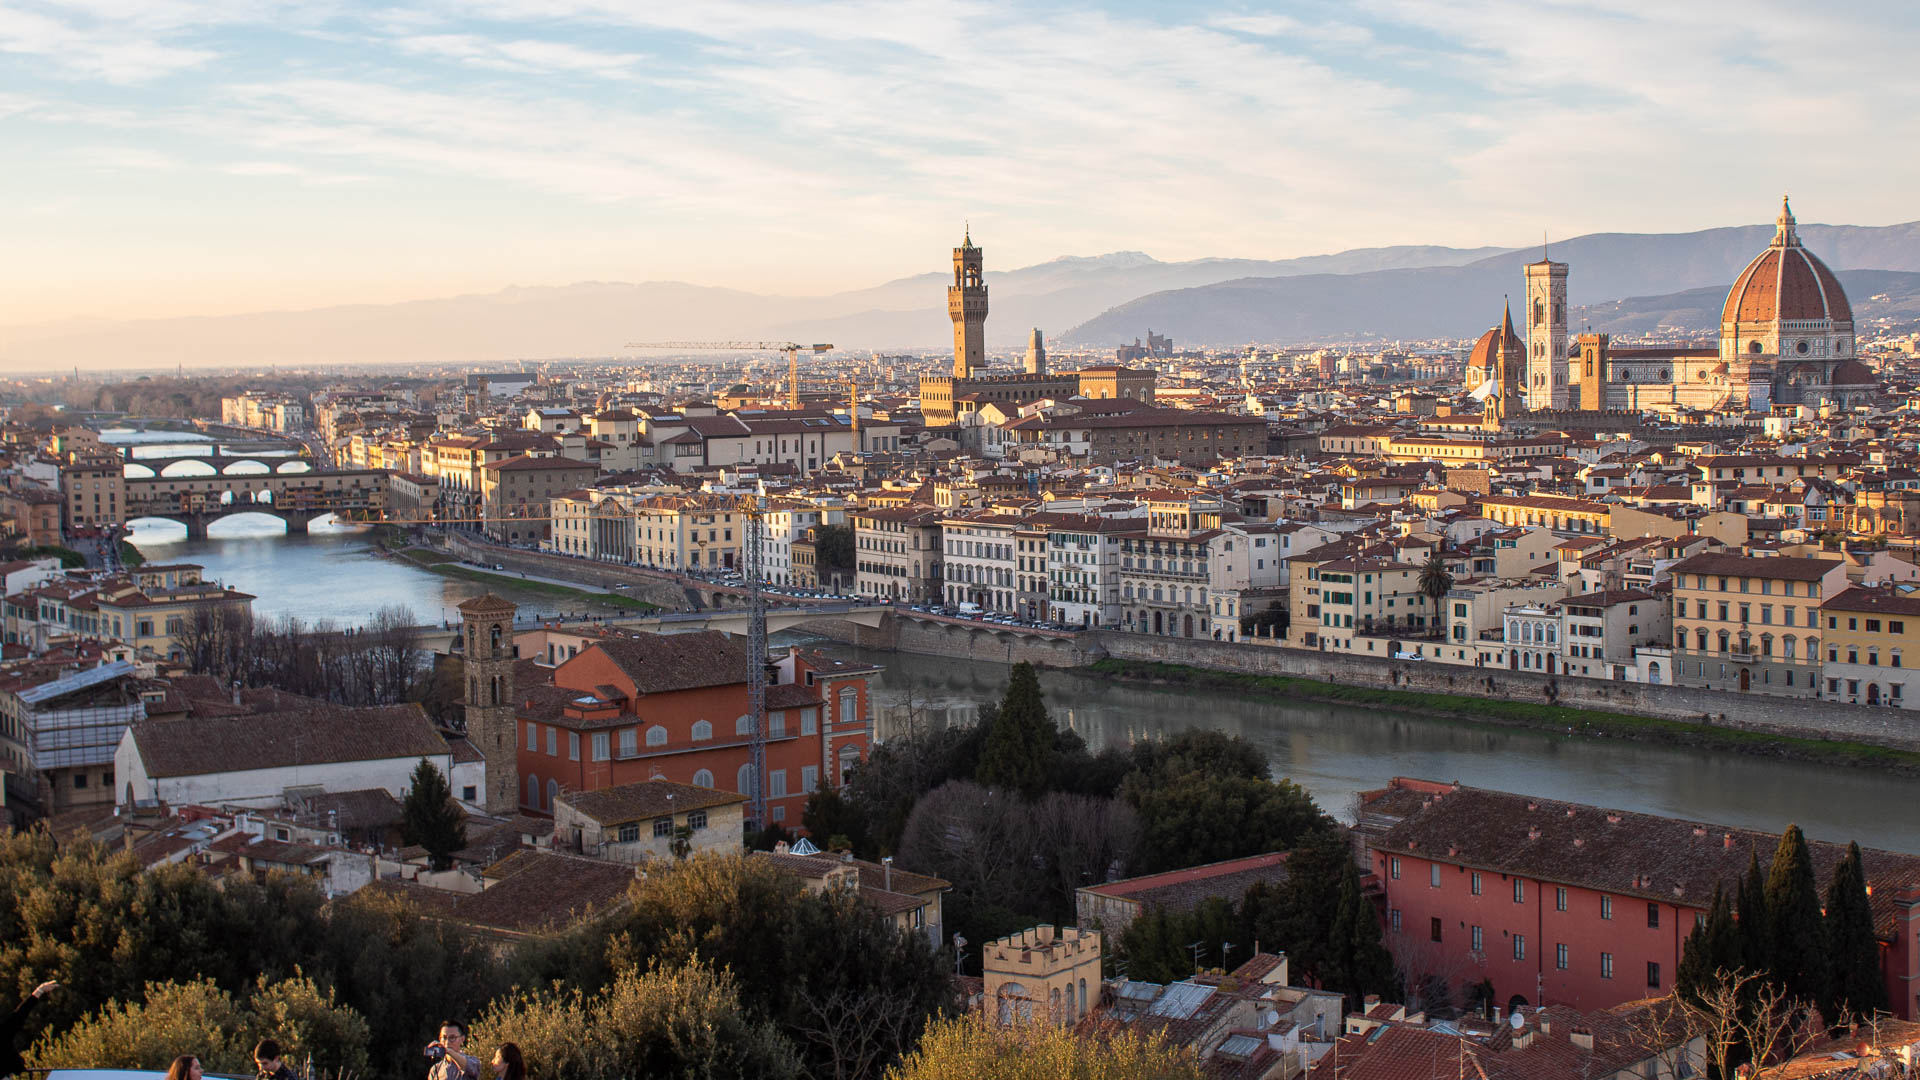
[1753,712]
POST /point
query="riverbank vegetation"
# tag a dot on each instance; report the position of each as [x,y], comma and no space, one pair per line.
[1557,719]
[1018,815]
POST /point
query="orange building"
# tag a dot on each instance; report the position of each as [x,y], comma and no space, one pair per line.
[634,707]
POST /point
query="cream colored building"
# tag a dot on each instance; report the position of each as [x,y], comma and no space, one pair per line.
[635,823]
[1045,973]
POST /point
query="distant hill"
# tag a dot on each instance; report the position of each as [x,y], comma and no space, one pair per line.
[1458,301]
[1371,293]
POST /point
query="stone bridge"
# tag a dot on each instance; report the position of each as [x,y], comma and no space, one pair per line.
[147,468]
[295,498]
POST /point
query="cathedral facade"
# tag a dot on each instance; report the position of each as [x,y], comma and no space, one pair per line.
[1786,337]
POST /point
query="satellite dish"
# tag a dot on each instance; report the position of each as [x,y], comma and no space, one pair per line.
[1271,1018]
[1516,1021]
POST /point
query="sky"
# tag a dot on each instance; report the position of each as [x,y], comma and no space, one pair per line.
[206,157]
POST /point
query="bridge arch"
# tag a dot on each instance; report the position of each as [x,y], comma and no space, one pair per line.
[137,470]
[183,467]
[296,465]
[245,467]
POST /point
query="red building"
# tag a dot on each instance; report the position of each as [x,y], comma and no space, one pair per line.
[1559,903]
[633,707]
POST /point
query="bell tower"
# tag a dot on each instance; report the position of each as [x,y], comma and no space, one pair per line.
[967,305]
[486,627]
[1547,356]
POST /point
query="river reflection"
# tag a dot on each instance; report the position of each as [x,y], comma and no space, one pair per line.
[1336,750]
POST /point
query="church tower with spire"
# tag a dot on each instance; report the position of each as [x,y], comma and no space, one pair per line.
[1547,352]
[967,305]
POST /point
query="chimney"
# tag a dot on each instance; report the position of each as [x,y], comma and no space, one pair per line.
[780,847]
[1582,1038]
[886,865]
[1726,841]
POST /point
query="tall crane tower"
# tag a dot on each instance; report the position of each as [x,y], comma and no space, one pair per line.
[749,507]
[792,349]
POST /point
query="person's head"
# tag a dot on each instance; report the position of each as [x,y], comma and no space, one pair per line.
[508,1064]
[266,1054]
[184,1067]
[453,1034]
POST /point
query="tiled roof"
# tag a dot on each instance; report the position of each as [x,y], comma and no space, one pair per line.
[203,745]
[663,663]
[646,799]
[1669,860]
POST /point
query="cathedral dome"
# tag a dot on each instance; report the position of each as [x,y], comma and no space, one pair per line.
[1486,351]
[1785,283]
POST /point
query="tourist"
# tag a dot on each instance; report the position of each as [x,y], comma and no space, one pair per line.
[266,1058]
[448,1055]
[15,1022]
[184,1067]
[508,1064]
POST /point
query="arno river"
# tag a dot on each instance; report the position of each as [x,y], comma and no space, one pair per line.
[1331,750]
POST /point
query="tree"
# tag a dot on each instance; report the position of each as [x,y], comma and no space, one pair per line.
[1435,583]
[833,546]
[1744,1018]
[1855,987]
[1201,819]
[199,1018]
[1798,950]
[1756,928]
[1359,964]
[1298,919]
[973,1048]
[834,973]
[673,1020]
[1020,743]
[1196,750]
[1712,947]
[430,818]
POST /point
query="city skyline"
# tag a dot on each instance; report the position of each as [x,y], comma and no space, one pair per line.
[211,159]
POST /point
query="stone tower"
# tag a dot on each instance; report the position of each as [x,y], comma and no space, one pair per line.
[1592,371]
[967,305]
[1036,354]
[1547,335]
[487,625]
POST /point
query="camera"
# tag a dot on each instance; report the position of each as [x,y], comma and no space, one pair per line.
[435,1052]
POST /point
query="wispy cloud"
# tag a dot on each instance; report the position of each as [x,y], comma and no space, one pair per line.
[833,134]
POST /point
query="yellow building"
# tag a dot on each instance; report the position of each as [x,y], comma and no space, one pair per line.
[1751,623]
[1872,639]
[1562,515]
[1044,973]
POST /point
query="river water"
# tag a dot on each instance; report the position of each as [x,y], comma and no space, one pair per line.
[1335,750]
[332,573]
[1331,750]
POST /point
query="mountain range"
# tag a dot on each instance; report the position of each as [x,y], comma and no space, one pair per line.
[1408,292]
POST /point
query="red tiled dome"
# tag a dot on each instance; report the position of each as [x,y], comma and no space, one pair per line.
[1786,282]
[1486,352]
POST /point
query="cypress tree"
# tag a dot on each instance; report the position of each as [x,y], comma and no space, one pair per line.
[1020,744]
[429,816]
[1855,986]
[1798,950]
[1712,947]
[1756,941]
[1363,964]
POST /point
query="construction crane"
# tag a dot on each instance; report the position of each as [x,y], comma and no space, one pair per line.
[749,507]
[792,349]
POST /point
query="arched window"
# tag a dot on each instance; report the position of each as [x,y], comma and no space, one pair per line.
[493,639]
[743,725]
[1553,634]
[1873,657]
[473,689]
[553,792]
[703,778]
[496,691]
[743,780]
[657,735]
[702,731]
[533,791]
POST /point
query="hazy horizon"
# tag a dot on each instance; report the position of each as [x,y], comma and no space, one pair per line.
[214,157]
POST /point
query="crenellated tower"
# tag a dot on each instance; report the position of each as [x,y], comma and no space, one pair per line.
[967,305]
